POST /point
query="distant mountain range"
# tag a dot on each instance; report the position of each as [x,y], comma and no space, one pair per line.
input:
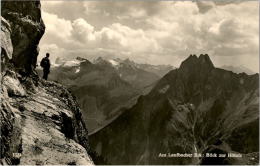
[194,109]
[125,68]
[238,69]
[129,71]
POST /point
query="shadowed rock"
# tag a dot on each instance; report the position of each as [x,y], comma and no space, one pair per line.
[27,28]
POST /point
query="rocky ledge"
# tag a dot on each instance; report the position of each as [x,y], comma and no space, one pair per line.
[41,124]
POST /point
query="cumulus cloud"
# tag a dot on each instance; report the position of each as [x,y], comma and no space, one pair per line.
[82,30]
[121,37]
[57,26]
[159,32]
[78,36]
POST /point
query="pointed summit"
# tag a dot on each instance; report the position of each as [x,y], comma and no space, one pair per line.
[191,60]
[100,61]
[205,60]
[194,62]
[128,61]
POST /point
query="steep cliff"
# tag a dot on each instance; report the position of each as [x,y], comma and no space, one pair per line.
[41,122]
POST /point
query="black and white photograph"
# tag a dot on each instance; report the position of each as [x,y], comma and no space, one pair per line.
[129,82]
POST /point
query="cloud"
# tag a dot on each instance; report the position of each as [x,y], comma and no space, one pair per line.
[205,6]
[159,32]
[121,37]
[115,36]
[78,36]
[57,26]
[82,30]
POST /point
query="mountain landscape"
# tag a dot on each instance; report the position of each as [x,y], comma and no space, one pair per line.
[105,86]
[196,108]
[118,111]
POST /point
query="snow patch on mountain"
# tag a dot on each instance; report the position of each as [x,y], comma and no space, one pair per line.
[113,62]
[77,70]
[72,63]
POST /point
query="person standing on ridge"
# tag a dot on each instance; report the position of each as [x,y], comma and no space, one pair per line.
[45,64]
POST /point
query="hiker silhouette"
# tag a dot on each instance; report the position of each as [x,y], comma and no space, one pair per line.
[45,64]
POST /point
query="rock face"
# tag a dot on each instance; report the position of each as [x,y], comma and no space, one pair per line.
[6,42]
[194,109]
[26,28]
[41,122]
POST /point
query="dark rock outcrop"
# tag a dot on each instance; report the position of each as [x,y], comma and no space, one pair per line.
[27,28]
[41,122]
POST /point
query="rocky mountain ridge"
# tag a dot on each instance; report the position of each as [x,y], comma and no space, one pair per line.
[238,69]
[194,109]
[159,70]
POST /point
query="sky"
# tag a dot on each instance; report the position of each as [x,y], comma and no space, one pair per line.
[154,32]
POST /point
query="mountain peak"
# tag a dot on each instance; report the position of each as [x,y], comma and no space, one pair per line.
[128,61]
[100,60]
[204,58]
[193,61]
[81,59]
